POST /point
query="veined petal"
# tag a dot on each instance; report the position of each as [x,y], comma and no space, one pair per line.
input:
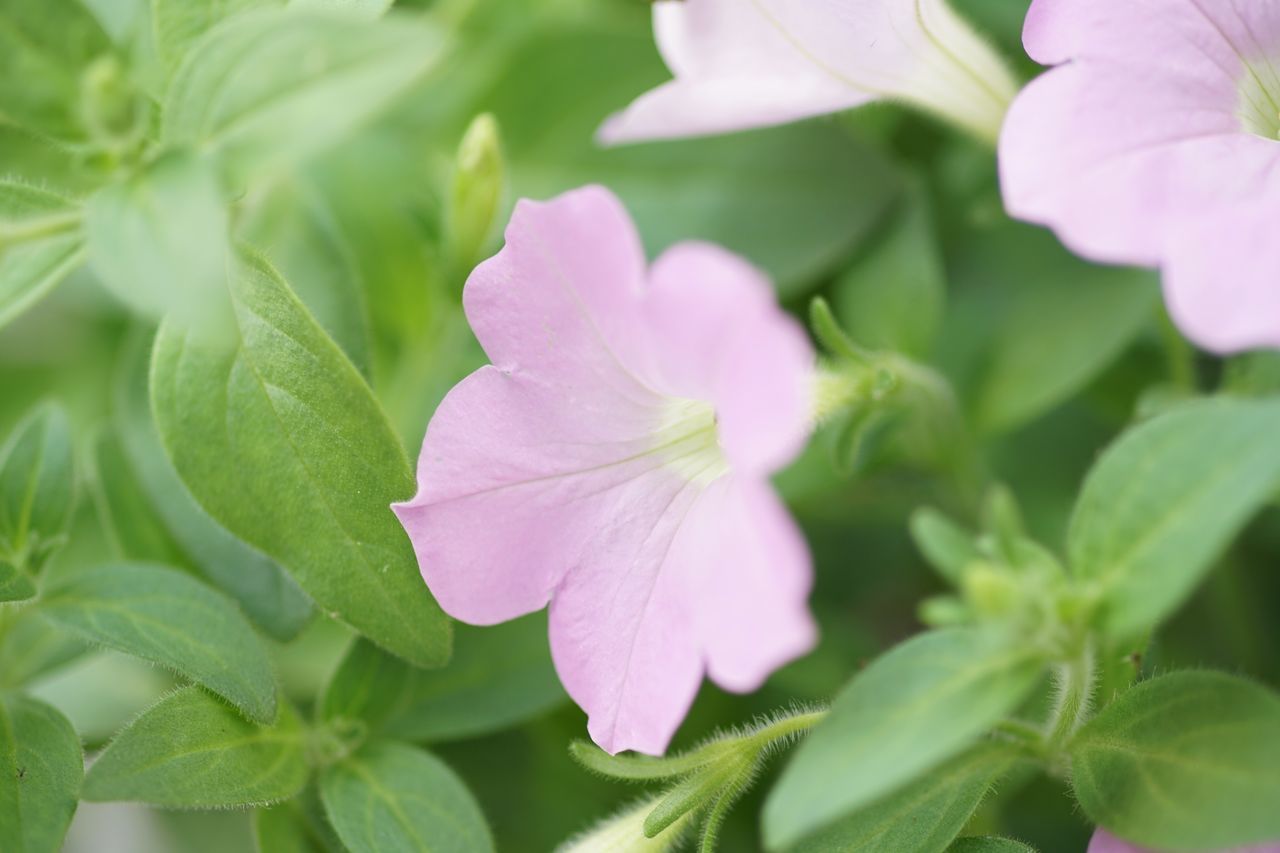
[719,585]
[723,339]
[749,63]
[1155,142]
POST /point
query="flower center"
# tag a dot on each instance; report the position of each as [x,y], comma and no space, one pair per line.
[1258,103]
[688,439]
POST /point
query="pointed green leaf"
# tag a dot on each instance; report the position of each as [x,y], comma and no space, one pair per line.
[498,677]
[159,241]
[193,751]
[262,90]
[1163,502]
[259,585]
[37,487]
[922,817]
[166,617]
[125,510]
[40,244]
[287,405]
[916,706]
[948,547]
[393,798]
[177,24]
[1188,761]
[40,768]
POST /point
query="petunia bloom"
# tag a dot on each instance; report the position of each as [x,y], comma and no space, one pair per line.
[613,461]
[1154,142]
[742,64]
[1105,842]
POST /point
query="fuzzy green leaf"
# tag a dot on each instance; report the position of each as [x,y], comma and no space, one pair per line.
[923,816]
[263,90]
[37,487]
[40,244]
[15,584]
[166,617]
[40,768]
[261,587]
[160,240]
[1163,502]
[392,798]
[177,24]
[498,677]
[287,405]
[193,751]
[1185,762]
[948,547]
[916,706]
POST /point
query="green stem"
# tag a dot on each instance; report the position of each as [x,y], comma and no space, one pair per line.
[1074,682]
[790,725]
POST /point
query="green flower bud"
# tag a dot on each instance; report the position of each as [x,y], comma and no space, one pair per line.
[477,191]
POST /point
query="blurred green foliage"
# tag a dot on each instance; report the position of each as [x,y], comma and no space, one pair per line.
[331,150]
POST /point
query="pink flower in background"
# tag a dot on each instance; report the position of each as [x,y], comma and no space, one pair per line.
[613,461]
[1154,142]
[741,64]
[1105,842]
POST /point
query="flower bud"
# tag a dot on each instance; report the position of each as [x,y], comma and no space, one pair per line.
[477,191]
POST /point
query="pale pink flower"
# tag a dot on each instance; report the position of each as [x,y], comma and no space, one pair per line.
[751,63]
[1105,842]
[1154,142]
[613,461]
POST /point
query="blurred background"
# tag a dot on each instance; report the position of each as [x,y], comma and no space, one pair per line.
[894,218]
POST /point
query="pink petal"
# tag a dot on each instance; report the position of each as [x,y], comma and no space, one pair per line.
[583,468]
[734,70]
[1134,152]
[1105,842]
[720,583]
[723,339]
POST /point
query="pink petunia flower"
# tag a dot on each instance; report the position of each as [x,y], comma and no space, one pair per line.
[1105,842]
[613,461]
[1154,142]
[741,64]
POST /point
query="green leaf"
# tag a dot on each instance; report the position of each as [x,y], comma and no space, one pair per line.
[948,547]
[314,254]
[390,797]
[160,240]
[1044,324]
[1165,500]
[40,768]
[260,586]
[794,200]
[40,243]
[44,49]
[893,297]
[989,844]
[922,817]
[177,24]
[367,10]
[498,677]
[30,647]
[193,751]
[37,487]
[264,90]
[288,406]
[1189,761]
[916,706]
[15,584]
[168,618]
[125,509]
